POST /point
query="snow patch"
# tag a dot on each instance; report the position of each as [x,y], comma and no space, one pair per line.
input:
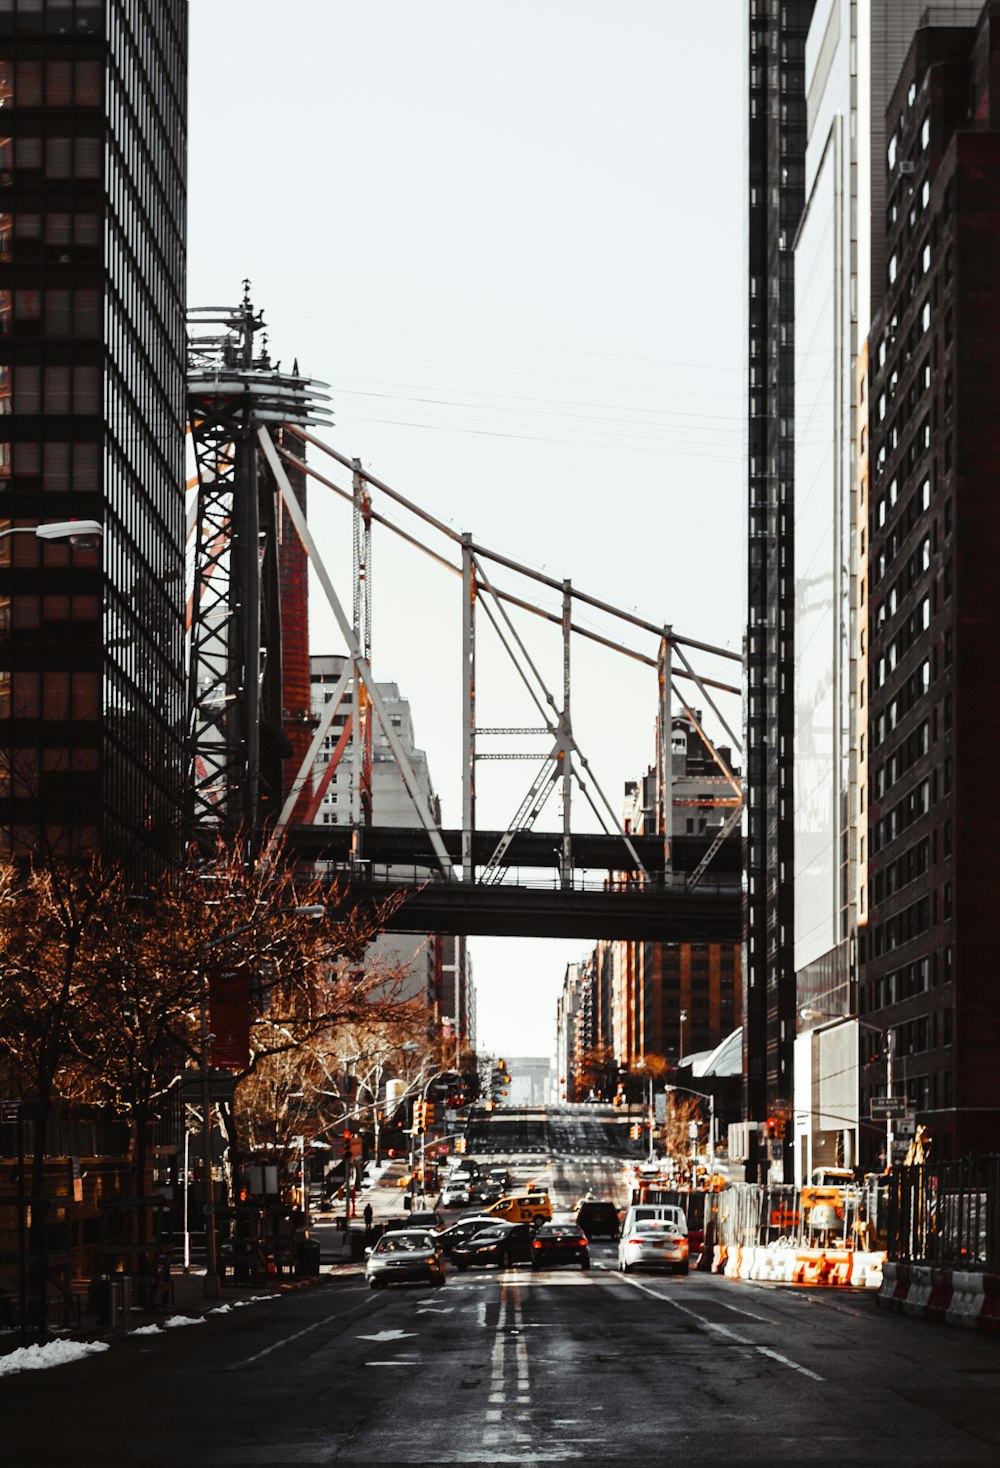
[173,1320]
[56,1353]
[145,1330]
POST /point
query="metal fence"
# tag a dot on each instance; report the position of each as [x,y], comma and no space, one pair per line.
[751,1214]
[947,1214]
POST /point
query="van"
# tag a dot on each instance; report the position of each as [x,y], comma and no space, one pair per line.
[523,1208]
[666,1213]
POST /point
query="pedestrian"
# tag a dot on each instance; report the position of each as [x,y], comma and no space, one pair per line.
[368,1215]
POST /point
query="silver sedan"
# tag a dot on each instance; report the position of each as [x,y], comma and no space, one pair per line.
[406,1254]
[653,1243]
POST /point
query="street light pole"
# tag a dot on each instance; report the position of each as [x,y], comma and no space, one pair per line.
[212,1286]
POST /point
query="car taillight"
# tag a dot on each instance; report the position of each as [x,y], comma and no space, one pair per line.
[580,1243]
[537,1244]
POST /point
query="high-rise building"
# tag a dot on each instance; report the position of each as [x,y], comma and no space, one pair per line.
[775,144]
[350,790]
[853,55]
[929,950]
[92,376]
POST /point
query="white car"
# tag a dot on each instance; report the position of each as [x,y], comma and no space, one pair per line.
[655,1243]
[455,1195]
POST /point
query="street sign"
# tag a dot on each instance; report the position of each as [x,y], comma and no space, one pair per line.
[887,1108]
[220,1087]
[9,1110]
[906,1127]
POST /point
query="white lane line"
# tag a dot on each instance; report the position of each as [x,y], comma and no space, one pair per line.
[723,1330]
[287,1341]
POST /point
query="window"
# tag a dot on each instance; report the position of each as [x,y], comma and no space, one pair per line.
[925,316]
[925,132]
[891,154]
[925,194]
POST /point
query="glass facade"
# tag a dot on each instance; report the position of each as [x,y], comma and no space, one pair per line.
[776,141]
[92,372]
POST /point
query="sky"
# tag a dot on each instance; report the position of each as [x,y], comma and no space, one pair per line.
[509,236]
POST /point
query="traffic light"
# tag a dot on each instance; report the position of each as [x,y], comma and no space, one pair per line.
[428,1114]
[635,1131]
[461,1144]
[419,1117]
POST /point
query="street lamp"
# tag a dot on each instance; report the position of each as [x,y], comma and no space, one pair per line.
[705,1096]
[84,534]
[680,1036]
[651,1115]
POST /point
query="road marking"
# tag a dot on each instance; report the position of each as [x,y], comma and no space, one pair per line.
[287,1341]
[723,1330]
[389,1335]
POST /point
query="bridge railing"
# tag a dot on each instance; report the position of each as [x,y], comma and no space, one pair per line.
[362,872]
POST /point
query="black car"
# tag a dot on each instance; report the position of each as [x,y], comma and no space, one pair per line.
[460,1232]
[503,1244]
[419,1218]
[559,1243]
[598,1219]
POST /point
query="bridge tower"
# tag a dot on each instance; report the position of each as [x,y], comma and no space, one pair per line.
[236,707]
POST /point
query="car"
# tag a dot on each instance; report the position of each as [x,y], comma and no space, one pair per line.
[418,1218]
[503,1244]
[489,1192]
[559,1243]
[500,1175]
[405,1254]
[454,1195]
[523,1207]
[666,1212]
[598,1219]
[654,1243]
[457,1233]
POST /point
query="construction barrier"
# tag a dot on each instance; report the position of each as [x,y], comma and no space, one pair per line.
[782,1264]
[945,1296]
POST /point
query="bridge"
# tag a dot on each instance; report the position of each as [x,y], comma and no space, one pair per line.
[249,720]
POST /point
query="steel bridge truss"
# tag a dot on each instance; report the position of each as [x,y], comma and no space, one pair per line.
[564,765]
[235,742]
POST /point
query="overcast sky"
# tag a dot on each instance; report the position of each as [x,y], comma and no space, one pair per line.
[510,237]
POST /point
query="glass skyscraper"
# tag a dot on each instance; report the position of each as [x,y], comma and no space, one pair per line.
[92,394]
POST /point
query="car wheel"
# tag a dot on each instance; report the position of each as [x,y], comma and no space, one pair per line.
[585,1264]
[681,1268]
[373,1284]
[461,1267]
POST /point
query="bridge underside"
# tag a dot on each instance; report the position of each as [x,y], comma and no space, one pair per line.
[644,915]
[402,846]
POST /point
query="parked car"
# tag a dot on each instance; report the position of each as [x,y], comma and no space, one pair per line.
[418,1218]
[655,1243]
[405,1254]
[502,1245]
[523,1207]
[559,1243]
[465,1228]
[598,1219]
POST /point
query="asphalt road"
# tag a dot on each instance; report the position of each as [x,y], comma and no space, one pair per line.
[559,1366]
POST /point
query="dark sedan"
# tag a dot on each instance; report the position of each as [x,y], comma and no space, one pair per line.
[502,1245]
[463,1230]
[559,1243]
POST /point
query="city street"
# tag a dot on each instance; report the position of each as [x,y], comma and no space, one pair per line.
[558,1366]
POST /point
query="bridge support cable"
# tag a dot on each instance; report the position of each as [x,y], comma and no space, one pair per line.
[569,760]
[665,753]
[566,745]
[468,711]
[360,662]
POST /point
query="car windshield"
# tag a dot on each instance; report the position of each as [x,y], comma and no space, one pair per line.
[490,1235]
[401,1243]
